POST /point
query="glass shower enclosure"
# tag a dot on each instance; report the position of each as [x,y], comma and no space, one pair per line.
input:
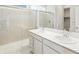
[46,19]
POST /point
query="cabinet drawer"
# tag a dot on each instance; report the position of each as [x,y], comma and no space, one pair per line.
[47,50]
[57,47]
[36,36]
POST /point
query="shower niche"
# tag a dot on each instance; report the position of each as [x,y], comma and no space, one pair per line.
[67,19]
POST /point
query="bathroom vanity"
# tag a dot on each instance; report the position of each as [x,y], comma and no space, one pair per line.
[47,41]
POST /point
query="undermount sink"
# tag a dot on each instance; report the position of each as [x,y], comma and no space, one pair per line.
[65,40]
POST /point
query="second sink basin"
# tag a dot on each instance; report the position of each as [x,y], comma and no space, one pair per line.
[65,40]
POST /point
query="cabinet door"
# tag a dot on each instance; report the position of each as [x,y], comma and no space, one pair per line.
[37,47]
[32,44]
[47,50]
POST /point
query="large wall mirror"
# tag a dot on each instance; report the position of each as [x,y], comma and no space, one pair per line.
[63,17]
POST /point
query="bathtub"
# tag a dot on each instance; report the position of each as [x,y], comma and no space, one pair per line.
[18,47]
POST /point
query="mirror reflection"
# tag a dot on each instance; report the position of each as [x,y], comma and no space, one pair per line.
[63,17]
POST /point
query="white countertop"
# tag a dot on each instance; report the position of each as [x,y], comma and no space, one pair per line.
[51,34]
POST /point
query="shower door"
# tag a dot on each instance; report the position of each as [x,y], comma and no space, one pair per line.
[46,19]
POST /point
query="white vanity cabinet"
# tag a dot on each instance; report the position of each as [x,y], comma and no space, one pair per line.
[56,47]
[42,45]
[38,47]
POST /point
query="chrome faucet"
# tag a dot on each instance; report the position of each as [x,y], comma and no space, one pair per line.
[65,34]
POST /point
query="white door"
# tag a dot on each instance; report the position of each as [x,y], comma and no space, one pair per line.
[77,19]
[47,50]
[37,47]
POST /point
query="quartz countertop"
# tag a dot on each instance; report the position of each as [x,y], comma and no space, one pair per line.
[50,34]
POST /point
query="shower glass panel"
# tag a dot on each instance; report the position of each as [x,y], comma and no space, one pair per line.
[15,23]
[46,19]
